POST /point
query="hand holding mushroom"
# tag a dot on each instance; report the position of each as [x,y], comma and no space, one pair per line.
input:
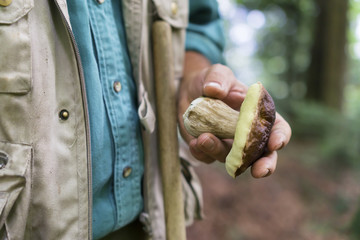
[218,82]
[250,128]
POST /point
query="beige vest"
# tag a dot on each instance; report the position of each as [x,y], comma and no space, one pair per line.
[45,166]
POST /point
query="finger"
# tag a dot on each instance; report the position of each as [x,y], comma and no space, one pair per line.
[185,135]
[280,134]
[236,96]
[265,166]
[213,146]
[199,154]
[217,81]
[220,82]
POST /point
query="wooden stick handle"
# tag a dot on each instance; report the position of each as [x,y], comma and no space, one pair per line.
[167,131]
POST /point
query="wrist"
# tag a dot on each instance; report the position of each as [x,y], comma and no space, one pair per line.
[194,62]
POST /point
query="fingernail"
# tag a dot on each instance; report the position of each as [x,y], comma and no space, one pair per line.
[208,144]
[213,84]
[266,173]
[281,144]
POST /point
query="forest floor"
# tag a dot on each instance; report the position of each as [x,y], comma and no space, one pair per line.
[302,200]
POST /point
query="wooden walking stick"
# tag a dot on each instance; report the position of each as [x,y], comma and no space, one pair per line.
[167,131]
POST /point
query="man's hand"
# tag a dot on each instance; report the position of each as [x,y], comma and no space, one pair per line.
[218,81]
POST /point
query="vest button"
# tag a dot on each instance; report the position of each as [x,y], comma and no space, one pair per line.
[5,3]
[127,172]
[100,1]
[174,8]
[64,114]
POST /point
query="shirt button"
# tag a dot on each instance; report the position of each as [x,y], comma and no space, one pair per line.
[64,114]
[5,3]
[100,1]
[174,8]
[117,86]
[127,172]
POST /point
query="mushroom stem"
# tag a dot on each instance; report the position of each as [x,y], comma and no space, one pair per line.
[209,115]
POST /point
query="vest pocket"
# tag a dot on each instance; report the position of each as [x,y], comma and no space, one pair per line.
[15,187]
[15,49]
[175,12]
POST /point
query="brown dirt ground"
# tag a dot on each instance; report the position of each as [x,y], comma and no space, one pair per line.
[300,201]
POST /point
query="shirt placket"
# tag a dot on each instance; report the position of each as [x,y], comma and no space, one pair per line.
[118,105]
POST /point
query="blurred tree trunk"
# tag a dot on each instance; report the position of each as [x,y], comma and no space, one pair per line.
[326,77]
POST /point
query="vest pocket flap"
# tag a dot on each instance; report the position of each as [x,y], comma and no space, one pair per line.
[175,12]
[16,10]
[15,50]
[14,160]
[15,171]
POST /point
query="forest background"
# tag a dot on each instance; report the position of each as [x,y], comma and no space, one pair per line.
[307,54]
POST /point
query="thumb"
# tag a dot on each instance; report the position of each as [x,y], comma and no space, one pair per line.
[218,81]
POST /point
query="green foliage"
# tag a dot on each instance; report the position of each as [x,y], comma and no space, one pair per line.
[285,41]
[284,48]
[337,135]
[311,120]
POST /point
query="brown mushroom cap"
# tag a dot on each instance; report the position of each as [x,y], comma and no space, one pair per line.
[256,118]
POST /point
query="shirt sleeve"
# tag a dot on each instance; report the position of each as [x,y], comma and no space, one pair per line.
[204,33]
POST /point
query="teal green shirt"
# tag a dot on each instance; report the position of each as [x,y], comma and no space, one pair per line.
[205,31]
[116,145]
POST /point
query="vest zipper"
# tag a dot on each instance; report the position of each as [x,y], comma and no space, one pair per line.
[86,118]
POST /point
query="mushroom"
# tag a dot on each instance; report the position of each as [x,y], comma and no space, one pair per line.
[250,128]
